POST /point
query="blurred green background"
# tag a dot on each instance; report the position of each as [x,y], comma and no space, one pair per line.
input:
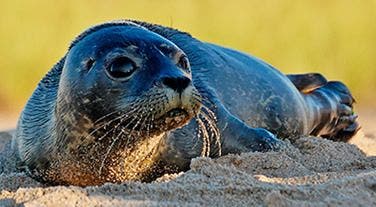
[336,37]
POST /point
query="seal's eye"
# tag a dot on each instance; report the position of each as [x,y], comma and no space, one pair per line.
[121,68]
[184,63]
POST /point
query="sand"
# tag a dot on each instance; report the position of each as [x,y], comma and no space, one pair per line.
[311,172]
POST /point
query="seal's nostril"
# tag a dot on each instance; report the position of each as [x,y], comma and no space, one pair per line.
[177,84]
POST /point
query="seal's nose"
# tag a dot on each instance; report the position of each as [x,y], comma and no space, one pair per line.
[176,83]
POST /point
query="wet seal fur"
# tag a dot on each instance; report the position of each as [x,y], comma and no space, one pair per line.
[132,100]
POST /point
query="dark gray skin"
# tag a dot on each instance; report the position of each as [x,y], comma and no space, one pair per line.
[66,133]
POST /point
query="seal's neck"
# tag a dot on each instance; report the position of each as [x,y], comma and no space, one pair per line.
[134,163]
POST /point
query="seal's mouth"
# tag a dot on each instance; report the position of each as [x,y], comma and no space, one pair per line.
[176,112]
[173,118]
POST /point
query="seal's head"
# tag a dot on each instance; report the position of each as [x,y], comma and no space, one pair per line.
[126,77]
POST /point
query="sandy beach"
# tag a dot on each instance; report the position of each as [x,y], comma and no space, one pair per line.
[310,172]
[129,71]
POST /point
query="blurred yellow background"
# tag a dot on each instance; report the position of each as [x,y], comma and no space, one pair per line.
[336,37]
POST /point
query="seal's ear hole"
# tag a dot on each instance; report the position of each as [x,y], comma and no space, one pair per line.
[184,63]
[89,63]
[121,68]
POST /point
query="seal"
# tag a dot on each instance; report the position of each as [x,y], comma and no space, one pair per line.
[132,100]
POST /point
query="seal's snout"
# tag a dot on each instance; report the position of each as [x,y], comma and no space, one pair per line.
[178,84]
[181,101]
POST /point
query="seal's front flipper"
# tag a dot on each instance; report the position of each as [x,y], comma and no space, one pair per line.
[194,140]
[306,83]
[238,137]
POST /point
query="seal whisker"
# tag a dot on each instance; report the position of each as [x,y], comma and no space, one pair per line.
[214,130]
[198,134]
[209,112]
[144,120]
[106,116]
[210,119]
[205,138]
[148,121]
[108,151]
[148,126]
[204,103]
[118,136]
[127,141]
[126,114]
[152,120]
[116,126]
[202,99]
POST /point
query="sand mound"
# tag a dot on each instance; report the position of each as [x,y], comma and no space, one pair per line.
[311,172]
